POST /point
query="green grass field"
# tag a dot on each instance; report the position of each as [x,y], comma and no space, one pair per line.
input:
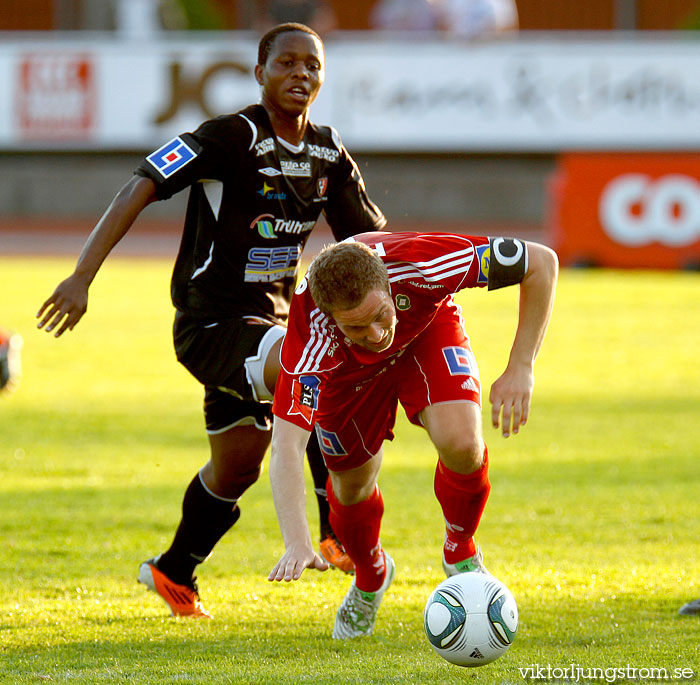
[593,521]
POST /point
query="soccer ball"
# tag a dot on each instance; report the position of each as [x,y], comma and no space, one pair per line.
[471,619]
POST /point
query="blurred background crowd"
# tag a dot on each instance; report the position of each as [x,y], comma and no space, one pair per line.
[468,18]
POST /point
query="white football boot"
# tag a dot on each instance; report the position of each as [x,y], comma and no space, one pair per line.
[358,610]
[473,564]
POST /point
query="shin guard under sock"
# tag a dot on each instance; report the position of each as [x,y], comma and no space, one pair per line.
[357,527]
[205,519]
[463,499]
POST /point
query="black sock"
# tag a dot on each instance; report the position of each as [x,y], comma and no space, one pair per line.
[319,473]
[205,519]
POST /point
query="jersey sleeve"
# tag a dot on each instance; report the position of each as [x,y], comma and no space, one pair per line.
[435,263]
[349,209]
[192,157]
[299,381]
[443,262]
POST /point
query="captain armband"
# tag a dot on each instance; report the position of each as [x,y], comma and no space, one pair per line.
[507,263]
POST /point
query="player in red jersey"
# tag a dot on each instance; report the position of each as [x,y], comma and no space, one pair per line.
[374,324]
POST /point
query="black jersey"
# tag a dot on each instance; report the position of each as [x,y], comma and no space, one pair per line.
[253,202]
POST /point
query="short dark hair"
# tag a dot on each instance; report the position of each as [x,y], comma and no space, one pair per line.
[265,44]
[342,275]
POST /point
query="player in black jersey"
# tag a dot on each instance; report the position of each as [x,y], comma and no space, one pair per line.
[258,181]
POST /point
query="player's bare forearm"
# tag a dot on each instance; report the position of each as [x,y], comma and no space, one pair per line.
[127,204]
[512,392]
[289,495]
[68,302]
[536,302]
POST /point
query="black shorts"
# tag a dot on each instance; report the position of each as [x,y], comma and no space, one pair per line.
[223,411]
[214,352]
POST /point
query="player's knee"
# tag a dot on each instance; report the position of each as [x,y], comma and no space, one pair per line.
[245,479]
[233,484]
[230,480]
[356,485]
[463,453]
[349,495]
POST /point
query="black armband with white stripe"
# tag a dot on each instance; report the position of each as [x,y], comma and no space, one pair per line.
[508,262]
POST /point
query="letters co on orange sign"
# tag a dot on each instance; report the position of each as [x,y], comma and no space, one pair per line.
[627,210]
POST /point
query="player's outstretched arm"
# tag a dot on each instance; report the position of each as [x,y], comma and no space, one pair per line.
[511,393]
[287,479]
[68,302]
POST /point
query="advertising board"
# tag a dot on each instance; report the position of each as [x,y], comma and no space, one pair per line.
[525,95]
[627,210]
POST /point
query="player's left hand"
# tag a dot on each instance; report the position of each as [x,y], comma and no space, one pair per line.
[511,394]
[65,307]
[293,563]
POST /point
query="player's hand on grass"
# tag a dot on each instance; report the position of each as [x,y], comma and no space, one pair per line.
[293,563]
[65,307]
[510,396]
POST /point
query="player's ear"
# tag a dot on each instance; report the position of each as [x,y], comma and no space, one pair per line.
[259,74]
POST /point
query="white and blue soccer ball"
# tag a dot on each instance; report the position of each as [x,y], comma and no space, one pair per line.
[471,619]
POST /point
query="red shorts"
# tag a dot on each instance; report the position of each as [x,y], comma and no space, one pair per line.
[354,419]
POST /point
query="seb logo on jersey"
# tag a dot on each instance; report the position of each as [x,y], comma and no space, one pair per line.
[305,397]
[268,264]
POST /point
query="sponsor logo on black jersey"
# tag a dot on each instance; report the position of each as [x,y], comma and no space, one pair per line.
[322,186]
[270,227]
[270,171]
[296,169]
[171,157]
[264,226]
[321,152]
[264,146]
[268,264]
[267,192]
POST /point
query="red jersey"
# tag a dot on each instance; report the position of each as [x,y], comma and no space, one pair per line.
[425,270]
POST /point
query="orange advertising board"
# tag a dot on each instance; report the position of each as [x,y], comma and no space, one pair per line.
[626,210]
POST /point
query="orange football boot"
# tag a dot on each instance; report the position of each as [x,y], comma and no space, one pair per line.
[183,600]
[334,553]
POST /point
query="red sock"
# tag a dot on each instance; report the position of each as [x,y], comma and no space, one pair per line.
[357,527]
[463,499]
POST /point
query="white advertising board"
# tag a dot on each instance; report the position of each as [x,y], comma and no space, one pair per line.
[537,95]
